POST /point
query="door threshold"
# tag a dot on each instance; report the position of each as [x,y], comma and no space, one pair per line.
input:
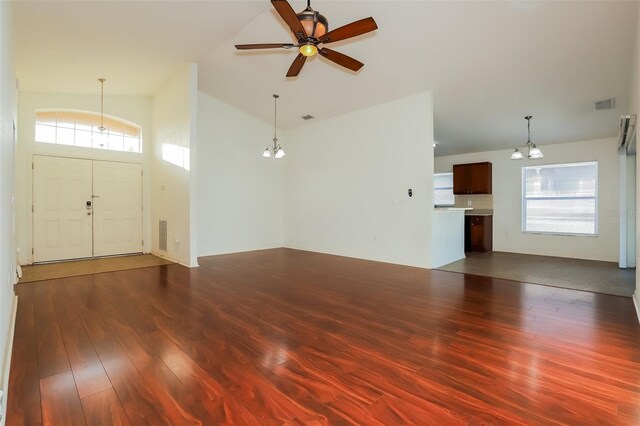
[76,259]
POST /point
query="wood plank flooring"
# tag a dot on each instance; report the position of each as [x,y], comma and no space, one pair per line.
[292,337]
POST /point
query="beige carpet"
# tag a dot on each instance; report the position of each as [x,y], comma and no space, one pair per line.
[576,274]
[74,268]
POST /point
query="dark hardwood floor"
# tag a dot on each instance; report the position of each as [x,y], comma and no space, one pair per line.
[292,337]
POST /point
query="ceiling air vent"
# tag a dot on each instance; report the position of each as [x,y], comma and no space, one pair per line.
[606,104]
[307,117]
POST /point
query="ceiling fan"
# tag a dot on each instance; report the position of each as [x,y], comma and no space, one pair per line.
[310,29]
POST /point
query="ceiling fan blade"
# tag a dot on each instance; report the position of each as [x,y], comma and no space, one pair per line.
[296,66]
[353,29]
[341,59]
[290,17]
[264,46]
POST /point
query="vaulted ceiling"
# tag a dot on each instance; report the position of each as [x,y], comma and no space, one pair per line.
[488,63]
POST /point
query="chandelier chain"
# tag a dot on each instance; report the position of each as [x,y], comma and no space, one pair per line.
[275,118]
[102,128]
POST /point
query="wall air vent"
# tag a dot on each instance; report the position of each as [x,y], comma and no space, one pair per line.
[606,104]
[307,117]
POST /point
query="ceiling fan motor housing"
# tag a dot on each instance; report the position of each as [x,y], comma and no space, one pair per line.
[314,23]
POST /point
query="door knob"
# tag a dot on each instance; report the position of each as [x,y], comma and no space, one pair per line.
[88,213]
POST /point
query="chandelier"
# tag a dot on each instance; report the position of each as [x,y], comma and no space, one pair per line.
[276,149]
[533,151]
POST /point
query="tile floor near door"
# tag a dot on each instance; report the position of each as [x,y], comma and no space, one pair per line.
[576,274]
[74,268]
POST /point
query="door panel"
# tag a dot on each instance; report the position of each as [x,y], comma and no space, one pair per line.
[62,225]
[117,206]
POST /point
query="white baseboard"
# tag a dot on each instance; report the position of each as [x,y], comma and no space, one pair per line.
[4,373]
[164,255]
[637,304]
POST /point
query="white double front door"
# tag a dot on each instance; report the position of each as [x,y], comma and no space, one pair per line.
[85,208]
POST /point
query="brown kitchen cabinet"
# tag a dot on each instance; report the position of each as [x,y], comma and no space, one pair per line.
[472,178]
[478,233]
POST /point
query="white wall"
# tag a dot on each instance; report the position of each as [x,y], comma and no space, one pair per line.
[346,182]
[635,109]
[174,109]
[240,194]
[134,109]
[627,214]
[7,211]
[507,200]
[447,237]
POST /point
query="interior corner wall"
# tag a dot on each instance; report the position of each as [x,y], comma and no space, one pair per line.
[193,154]
[507,200]
[136,109]
[7,210]
[347,180]
[240,194]
[635,109]
[174,138]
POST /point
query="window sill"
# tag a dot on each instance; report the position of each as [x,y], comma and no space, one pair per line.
[560,234]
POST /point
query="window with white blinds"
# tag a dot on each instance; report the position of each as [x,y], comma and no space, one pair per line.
[443,189]
[81,128]
[560,198]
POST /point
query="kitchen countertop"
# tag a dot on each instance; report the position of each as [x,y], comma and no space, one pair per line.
[453,208]
[479,212]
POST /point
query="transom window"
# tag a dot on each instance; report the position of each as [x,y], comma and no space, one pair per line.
[560,198]
[443,189]
[81,128]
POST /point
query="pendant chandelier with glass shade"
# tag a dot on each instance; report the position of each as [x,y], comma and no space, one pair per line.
[533,151]
[276,149]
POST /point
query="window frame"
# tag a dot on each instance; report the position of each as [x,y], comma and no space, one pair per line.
[76,130]
[434,189]
[523,201]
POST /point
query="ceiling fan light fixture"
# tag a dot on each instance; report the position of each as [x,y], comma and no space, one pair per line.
[308,49]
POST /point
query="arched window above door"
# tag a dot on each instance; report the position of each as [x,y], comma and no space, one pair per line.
[81,128]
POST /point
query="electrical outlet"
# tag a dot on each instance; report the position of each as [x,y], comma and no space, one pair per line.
[469,203]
